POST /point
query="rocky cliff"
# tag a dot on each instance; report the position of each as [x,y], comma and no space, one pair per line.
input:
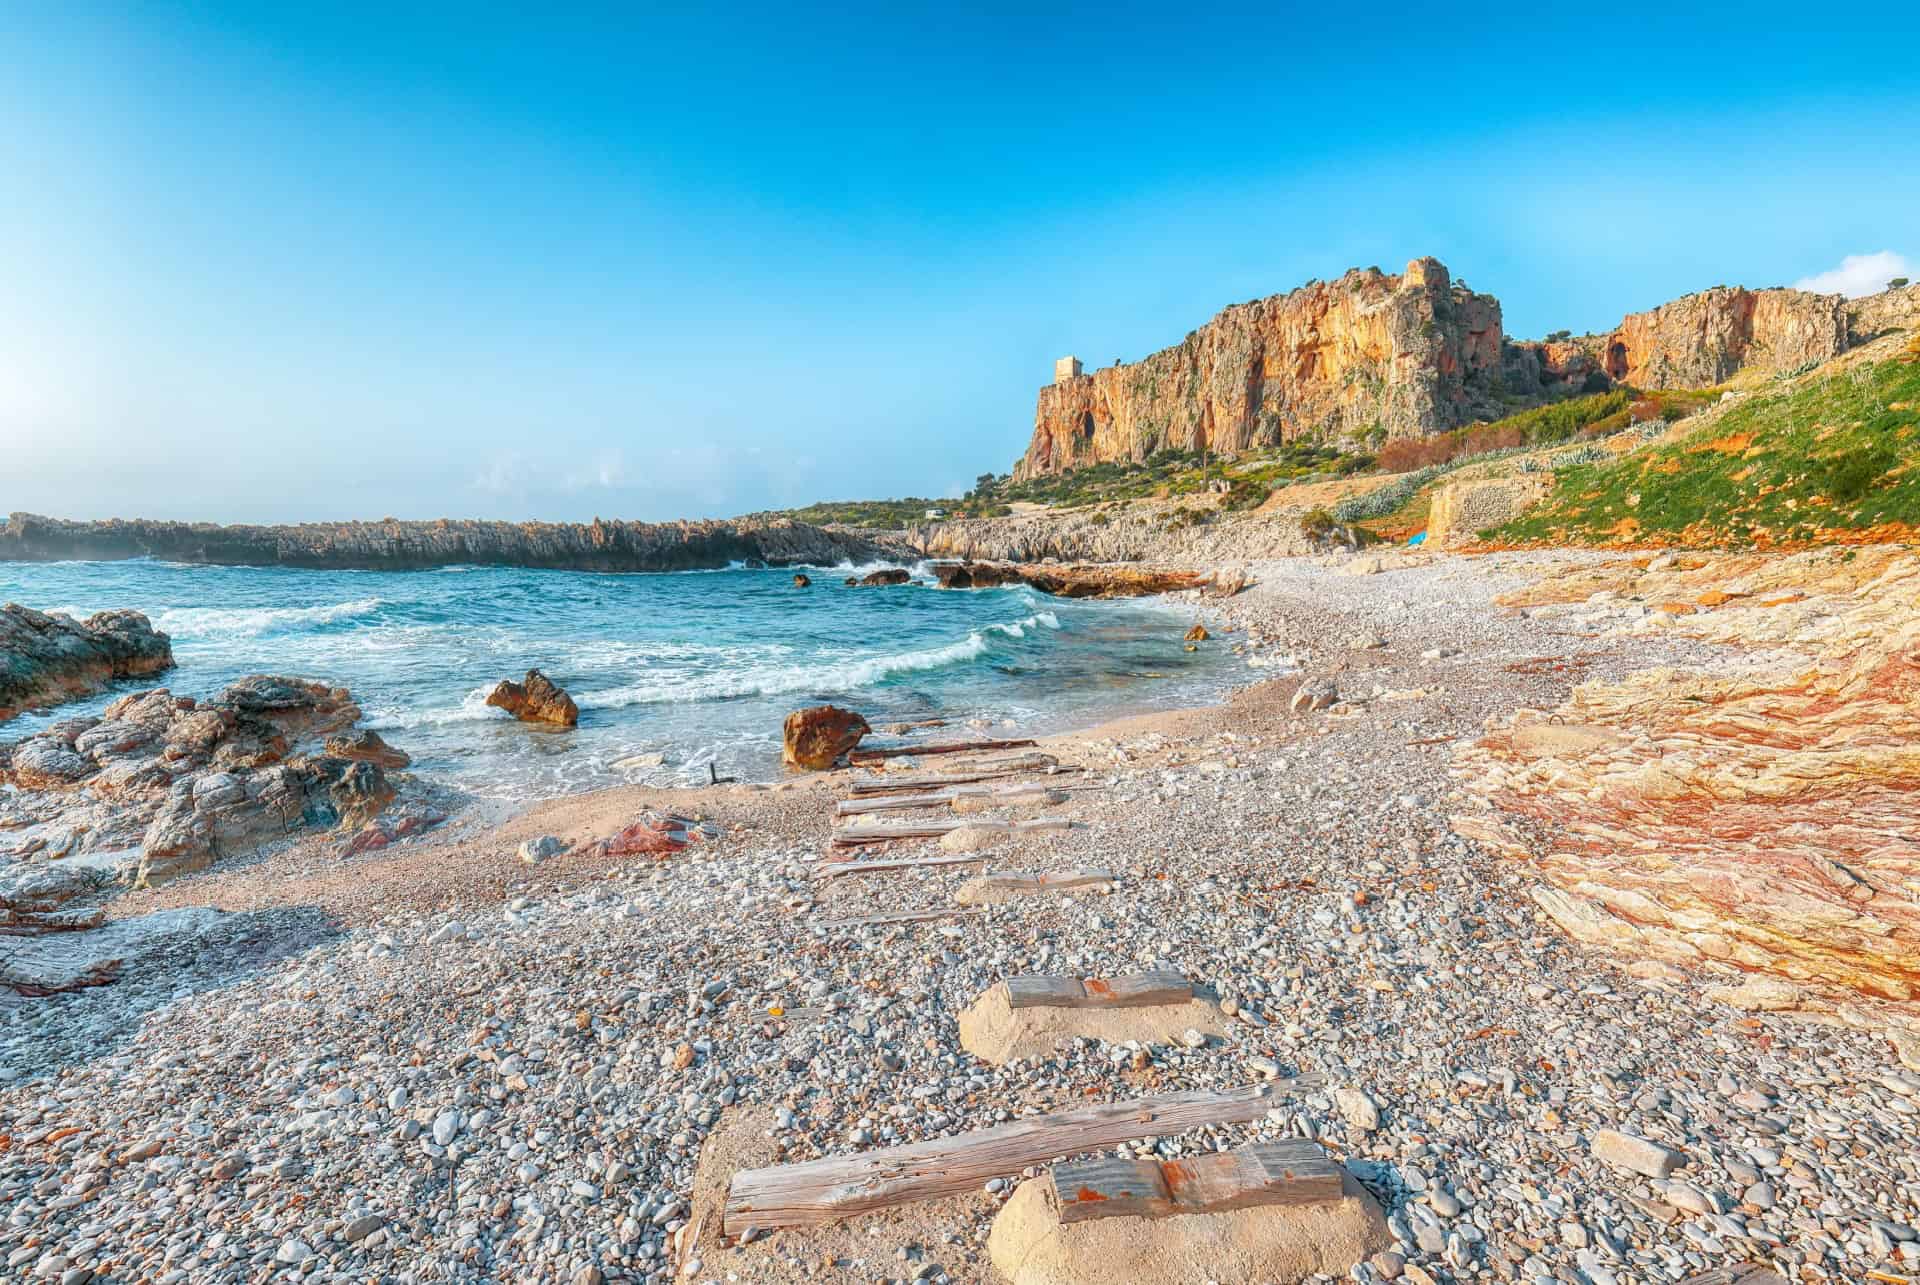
[1410,354]
[1702,339]
[47,659]
[399,546]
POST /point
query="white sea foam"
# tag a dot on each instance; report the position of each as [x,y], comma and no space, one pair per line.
[841,675]
[251,622]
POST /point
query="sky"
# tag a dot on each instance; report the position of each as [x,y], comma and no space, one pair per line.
[267,262]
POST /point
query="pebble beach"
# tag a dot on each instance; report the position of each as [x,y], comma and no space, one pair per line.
[441,1062]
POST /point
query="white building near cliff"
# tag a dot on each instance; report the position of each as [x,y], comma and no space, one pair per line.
[1066,368]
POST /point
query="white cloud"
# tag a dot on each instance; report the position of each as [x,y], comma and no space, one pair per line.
[1858,274]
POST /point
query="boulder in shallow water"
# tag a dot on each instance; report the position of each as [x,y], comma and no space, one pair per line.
[817,736]
[885,576]
[537,700]
[801,581]
[1198,634]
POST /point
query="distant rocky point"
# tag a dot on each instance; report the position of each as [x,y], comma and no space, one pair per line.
[401,546]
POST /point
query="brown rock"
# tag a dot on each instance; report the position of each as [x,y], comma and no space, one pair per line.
[801,581]
[368,746]
[1198,634]
[537,700]
[46,659]
[884,576]
[816,737]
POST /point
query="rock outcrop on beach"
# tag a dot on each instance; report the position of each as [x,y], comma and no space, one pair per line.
[1759,818]
[816,737]
[538,699]
[1409,354]
[398,546]
[46,659]
[165,784]
[1702,339]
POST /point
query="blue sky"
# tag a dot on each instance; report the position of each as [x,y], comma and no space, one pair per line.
[277,262]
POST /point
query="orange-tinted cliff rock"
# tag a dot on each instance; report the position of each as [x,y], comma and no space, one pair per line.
[1412,354]
[1701,339]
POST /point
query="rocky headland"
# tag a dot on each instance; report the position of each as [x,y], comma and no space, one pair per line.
[401,546]
[46,659]
[1374,356]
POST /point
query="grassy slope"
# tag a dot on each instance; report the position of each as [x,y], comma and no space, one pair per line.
[1836,456]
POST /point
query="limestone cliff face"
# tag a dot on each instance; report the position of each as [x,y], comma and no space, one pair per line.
[396,546]
[1412,354]
[1701,339]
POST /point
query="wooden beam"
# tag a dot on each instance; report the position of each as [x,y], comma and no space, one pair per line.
[1289,1172]
[887,832]
[1009,883]
[963,776]
[835,869]
[838,1187]
[942,798]
[1740,1274]
[953,747]
[898,917]
[1133,990]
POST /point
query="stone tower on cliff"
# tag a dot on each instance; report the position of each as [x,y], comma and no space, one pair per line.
[1066,368]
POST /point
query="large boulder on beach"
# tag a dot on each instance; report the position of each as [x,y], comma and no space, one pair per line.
[536,700]
[1315,693]
[816,737]
[46,659]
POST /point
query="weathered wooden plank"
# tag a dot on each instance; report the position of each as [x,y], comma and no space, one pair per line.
[898,917]
[1050,881]
[837,1187]
[1131,990]
[888,831]
[952,747]
[1739,1274]
[967,775]
[1292,1171]
[941,798]
[835,869]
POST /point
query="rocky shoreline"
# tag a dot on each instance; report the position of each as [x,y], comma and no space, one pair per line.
[488,1068]
[46,659]
[407,546]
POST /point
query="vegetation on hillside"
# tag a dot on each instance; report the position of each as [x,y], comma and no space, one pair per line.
[1835,455]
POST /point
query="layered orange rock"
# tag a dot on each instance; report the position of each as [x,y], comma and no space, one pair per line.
[1762,820]
[1703,339]
[1412,354]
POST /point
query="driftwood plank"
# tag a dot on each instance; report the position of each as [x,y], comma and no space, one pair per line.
[834,869]
[828,1190]
[941,798]
[1289,1172]
[898,917]
[952,747]
[967,775]
[993,887]
[1739,1274]
[1132,990]
[887,831]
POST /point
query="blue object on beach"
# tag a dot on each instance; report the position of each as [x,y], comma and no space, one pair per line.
[1418,538]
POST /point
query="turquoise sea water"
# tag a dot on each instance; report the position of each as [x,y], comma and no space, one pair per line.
[699,667]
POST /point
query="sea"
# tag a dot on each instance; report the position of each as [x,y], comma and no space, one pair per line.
[680,677]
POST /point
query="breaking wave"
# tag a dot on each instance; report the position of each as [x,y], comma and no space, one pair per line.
[252,622]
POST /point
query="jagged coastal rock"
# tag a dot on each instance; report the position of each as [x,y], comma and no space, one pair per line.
[1412,354]
[165,784]
[399,546]
[46,659]
[536,700]
[1063,581]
